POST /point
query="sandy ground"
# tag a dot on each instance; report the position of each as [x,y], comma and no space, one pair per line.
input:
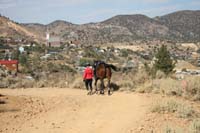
[51,110]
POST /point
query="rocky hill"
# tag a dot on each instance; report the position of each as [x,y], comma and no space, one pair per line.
[180,26]
[9,28]
[185,23]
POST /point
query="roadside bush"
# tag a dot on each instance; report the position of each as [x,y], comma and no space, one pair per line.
[146,88]
[170,86]
[195,126]
[131,80]
[184,111]
[23,83]
[171,106]
[172,129]
[14,82]
[56,80]
[77,82]
[140,77]
[126,85]
[192,88]
[166,106]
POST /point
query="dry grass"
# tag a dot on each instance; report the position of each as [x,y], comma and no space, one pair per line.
[131,80]
[192,88]
[179,109]
[77,83]
[195,126]
[59,80]
[145,88]
[169,86]
[188,88]
[172,129]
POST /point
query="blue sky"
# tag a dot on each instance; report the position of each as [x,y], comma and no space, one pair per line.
[85,11]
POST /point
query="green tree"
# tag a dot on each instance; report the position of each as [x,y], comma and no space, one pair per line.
[163,61]
[23,60]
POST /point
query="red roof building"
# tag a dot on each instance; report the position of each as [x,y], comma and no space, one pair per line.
[11,65]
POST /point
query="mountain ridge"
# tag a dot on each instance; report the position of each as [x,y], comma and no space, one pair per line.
[179,26]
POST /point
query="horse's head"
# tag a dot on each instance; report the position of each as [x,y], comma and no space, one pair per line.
[96,62]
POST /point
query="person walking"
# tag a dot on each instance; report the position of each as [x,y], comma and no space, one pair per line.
[88,77]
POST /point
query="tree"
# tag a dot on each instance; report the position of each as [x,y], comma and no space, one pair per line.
[23,60]
[163,61]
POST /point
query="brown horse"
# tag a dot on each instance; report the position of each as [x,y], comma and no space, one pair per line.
[102,71]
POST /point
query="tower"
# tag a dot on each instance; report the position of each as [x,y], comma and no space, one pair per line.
[47,37]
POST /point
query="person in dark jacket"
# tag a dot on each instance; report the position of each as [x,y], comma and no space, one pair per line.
[88,77]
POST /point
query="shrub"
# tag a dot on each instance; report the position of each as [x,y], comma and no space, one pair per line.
[53,67]
[184,111]
[160,74]
[140,77]
[170,129]
[162,107]
[171,106]
[10,82]
[195,126]
[145,88]
[192,88]
[170,86]
[124,53]
[78,82]
[126,85]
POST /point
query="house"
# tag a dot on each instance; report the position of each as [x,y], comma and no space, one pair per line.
[54,42]
[10,65]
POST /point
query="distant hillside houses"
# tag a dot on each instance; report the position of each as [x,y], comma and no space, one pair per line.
[54,42]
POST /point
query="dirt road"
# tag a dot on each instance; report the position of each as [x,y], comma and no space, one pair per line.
[50,110]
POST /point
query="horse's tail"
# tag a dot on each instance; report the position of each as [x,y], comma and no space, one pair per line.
[113,67]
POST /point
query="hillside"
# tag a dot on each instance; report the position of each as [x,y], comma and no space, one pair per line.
[185,23]
[9,28]
[139,25]
[179,26]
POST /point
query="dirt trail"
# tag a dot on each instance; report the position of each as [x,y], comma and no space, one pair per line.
[71,111]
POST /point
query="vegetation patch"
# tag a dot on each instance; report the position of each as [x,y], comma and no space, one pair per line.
[195,126]
[171,106]
[172,129]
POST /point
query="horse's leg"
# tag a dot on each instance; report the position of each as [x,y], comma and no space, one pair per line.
[102,87]
[108,87]
[95,83]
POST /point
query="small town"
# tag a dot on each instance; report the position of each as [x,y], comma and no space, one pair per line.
[95,67]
